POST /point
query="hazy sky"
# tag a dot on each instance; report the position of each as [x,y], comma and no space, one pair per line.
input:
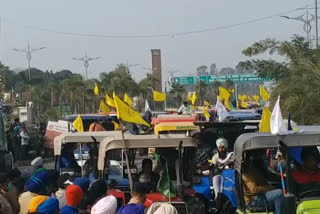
[139,17]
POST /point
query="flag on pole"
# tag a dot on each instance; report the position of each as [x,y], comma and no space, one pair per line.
[165,185]
[146,106]
[205,112]
[104,108]
[224,95]
[189,97]
[221,110]
[256,99]
[206,103]
[110,101]
[128,100]
[96,89]
[116,125]
[265,120]
[78,124]
[194,98]
[277,124]
[244,103]
[159,97]
[126,113]
[264,94]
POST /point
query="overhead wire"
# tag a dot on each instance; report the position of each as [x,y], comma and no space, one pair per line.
[42,29]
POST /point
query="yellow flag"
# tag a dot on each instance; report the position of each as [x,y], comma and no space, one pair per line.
[205,112]
[244,103]
[96,89]
[116,125]
[265,120]
[193,108]
[110,101]
[264,94]
[250,98]
[231,91]
[224,95]
[127,99]
[159,97]
[126,113]
[189,97]
[256,98]
[194,98]
[78,124]
[206,103]
[103,107]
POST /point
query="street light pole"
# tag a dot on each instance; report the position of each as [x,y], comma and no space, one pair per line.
[28,52]
[317,32]
[86,61]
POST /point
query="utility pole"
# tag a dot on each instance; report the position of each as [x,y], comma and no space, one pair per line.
[86,61]
[28,51]
[316,21]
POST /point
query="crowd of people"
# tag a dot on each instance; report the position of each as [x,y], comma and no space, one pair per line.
[47,192]
[18,140]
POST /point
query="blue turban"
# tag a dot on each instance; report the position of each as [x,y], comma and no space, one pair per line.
[38,182]
[49,206]
[83,183]
[132,208]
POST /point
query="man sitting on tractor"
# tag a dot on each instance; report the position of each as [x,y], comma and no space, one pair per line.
[255,185]
[309,172]
[220,161]
[147,175]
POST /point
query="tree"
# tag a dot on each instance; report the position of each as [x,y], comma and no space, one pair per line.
[178,91]
[297,78]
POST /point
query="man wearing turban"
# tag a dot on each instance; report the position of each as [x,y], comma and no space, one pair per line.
[220,161]
[36,185]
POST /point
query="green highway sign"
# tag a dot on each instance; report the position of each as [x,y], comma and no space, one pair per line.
[220,78]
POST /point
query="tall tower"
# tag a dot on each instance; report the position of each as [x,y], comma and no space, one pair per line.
[156,69]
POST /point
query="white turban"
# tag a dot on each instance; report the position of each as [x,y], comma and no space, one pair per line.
[37,162]
[162,208]
[222,142]
[106,205]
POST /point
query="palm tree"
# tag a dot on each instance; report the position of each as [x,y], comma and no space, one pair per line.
[297,79]
[179,92]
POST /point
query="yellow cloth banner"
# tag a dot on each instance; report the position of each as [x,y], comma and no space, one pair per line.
[110,101]
[264,94]
[265,120]
[224,95]
[206,103]
[194,98]
[78,124]
[256,98]
[128,100]
[159,97]
[189,97]
[103,107]
[96,89]
[205,112]
[126,113]
[116,125]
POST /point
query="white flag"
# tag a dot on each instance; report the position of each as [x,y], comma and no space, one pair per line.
[277,125]
[221,110]
[147,107]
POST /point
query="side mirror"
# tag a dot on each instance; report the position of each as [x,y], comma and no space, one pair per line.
[290,203]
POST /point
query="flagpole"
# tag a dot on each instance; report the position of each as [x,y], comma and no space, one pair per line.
[126,155]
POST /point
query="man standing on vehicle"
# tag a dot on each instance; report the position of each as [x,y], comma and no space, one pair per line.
[185,109]
[256,188]
[24,142]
